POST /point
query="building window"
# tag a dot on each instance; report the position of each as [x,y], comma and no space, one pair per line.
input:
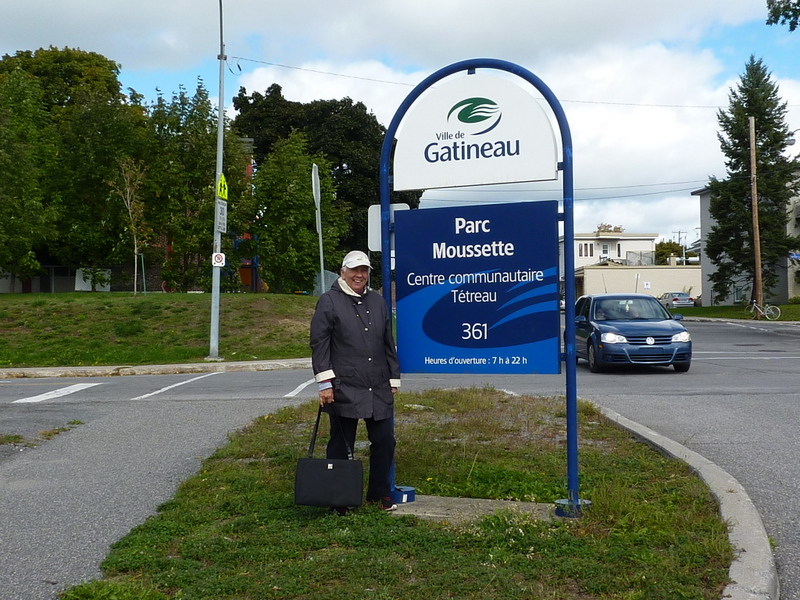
[619,250]
[580,249]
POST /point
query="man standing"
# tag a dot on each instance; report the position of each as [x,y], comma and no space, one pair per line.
[356,366]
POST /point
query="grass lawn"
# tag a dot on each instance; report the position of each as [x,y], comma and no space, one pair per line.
[233,531]
[789,312]
[79,329]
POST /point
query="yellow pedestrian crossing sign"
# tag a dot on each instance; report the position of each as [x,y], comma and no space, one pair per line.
[222,188]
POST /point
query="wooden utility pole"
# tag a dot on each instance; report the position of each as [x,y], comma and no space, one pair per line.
[757,284]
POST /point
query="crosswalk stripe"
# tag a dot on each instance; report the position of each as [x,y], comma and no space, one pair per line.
[174,385]
[299,388]
[66,391]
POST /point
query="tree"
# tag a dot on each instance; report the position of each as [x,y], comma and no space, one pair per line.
[729,244]
[285,222]
[784,12]
[127,186]
[666,249]
[180,188]
[267,118]
[669,248]
[95,134]
[92,127]
[350,138]
[26,150]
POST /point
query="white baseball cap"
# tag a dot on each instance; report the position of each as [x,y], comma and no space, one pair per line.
[354,259]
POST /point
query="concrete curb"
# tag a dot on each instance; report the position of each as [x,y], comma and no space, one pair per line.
[119,371]
[753,573]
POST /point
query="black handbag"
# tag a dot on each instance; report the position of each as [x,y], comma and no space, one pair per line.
[329,482]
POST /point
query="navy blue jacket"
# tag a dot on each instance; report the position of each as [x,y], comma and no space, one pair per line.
[352,345]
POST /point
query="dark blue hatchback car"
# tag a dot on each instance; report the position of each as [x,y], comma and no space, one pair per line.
[629,329]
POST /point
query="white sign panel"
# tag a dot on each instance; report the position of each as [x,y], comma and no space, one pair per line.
[374,233]
[315,190]
[474,130]
[218,259]
[221,217]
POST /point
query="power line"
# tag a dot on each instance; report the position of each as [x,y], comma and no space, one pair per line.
[333,74]
[271,64]
[577,199]
[694,182]
[389,82]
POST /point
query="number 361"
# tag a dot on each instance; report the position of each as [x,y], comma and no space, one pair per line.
[474,331]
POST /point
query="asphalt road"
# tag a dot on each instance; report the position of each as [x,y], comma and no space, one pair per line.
[63,503]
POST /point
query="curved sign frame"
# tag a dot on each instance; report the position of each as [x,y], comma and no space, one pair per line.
[470,66]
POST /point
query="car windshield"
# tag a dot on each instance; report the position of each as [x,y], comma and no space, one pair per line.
[628,309]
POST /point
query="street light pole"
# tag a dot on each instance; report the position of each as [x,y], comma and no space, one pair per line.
[757,283]
[213,351]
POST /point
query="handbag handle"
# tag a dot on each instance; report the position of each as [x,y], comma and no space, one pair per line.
[314,436]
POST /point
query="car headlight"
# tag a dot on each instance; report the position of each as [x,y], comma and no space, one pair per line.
[613,338]
[683,336]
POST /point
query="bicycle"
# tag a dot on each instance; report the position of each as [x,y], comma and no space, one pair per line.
[768,310]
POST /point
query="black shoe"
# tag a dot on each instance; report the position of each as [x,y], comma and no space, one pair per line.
[386,504]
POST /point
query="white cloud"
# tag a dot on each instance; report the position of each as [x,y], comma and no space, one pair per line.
[161,34]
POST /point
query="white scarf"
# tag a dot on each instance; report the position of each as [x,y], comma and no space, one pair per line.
[348,290]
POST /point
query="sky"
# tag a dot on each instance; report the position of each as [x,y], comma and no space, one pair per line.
[640,82]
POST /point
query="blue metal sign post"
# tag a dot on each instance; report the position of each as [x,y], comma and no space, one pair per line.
[572,505]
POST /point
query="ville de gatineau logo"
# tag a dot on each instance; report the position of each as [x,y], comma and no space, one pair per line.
[472,111]
[475,117]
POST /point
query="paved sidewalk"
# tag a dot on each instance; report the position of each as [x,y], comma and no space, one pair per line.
[753,572]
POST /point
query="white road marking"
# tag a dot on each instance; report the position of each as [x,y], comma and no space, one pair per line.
[749,352]
[751,357]
[299,389]
[174,385]
[56,393]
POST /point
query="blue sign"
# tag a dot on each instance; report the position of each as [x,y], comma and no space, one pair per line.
[477,289]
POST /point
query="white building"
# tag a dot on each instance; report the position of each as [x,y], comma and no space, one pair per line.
[611,244]
[610,260]
[741,289]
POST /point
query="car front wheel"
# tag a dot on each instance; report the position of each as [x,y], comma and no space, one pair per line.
[591,357]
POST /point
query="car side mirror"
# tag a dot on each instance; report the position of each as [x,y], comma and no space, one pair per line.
[677,317]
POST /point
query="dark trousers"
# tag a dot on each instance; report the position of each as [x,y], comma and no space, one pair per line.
[381,450]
